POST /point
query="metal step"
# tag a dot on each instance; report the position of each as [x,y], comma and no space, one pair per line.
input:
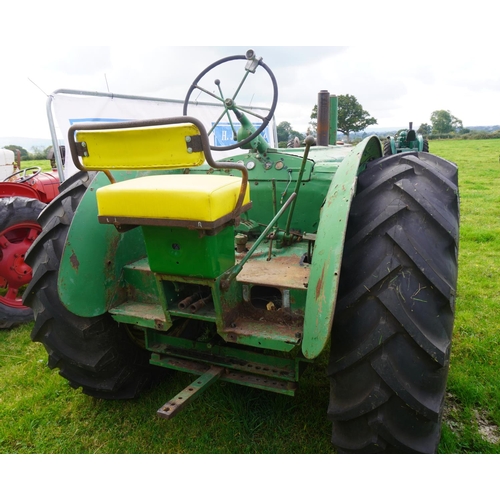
[280,272]
[140,314]
[266,334]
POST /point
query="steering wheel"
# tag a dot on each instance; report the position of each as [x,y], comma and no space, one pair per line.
[229,103]
[24,177]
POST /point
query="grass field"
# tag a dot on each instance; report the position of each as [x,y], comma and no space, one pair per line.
[40,413]
[44,164]
[473,406]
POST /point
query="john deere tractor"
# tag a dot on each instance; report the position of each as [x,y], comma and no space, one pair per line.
[405,140]
[246,268]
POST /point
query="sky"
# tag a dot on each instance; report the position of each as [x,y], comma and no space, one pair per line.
[465,83]
[390,74]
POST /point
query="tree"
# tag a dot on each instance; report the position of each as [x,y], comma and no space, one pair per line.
[351,115]
[424,129]
[284,130]
[24,154]
[443,122]
[38,153]
[314,121]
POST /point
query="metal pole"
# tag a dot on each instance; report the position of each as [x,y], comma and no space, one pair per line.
[334,118]
[323,118]
[309,142]
[237,269]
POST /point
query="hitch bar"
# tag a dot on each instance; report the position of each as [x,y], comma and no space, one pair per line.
[190,393]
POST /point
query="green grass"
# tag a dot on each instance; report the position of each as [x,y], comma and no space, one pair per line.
[40,413]
[45,164]
[473,407]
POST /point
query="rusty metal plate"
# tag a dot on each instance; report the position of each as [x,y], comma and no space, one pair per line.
[280,272]
[190,393]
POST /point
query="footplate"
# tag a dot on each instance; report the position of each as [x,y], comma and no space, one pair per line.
[190,393]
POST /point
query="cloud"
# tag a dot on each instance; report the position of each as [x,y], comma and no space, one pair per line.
[394,85]
[78,61]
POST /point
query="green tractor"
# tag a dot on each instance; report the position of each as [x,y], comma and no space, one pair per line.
[405,140]
[245,269]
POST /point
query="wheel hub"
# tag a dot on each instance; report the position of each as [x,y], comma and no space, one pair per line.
[14,272]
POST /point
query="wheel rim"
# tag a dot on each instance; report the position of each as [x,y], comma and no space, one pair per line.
[14,272]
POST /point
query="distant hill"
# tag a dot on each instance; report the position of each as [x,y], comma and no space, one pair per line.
[488,128]
[27,143]
[386,131]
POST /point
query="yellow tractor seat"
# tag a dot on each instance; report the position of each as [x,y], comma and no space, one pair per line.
[166,200]
[186,219]
[195,201]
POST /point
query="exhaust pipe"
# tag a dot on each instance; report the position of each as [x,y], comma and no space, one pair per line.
[323,124]
[334,118]
[200,303]
[185,303]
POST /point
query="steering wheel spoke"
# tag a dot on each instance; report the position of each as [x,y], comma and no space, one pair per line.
[249,112]
[240,85]
[23,175]
[211,94]
[225,112]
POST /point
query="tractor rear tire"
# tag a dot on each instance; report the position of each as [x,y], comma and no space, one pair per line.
[391,337]
[18,230]
[387,148]
[95,354]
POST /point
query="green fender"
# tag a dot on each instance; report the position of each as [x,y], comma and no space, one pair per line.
[329,245]
[94,255]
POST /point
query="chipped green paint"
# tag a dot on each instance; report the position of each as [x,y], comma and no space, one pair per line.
[94,256]
[327,258]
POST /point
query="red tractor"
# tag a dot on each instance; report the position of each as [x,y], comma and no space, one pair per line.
[23,195]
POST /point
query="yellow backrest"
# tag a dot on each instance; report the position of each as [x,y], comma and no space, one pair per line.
[154,147]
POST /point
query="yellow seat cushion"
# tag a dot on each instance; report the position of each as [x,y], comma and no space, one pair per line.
[180,197]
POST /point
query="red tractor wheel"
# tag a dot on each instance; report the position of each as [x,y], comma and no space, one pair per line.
[18,231]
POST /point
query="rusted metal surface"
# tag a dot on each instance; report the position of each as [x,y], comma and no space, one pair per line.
[233,273]
[328,248]
[277,330]
[139,309]
[260,379]
[319,284]
[323,124]
[141,314]
[94,255]
[280,272]
[166,348]
[185,303]
[199,304]
[190,393]
[74,261]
